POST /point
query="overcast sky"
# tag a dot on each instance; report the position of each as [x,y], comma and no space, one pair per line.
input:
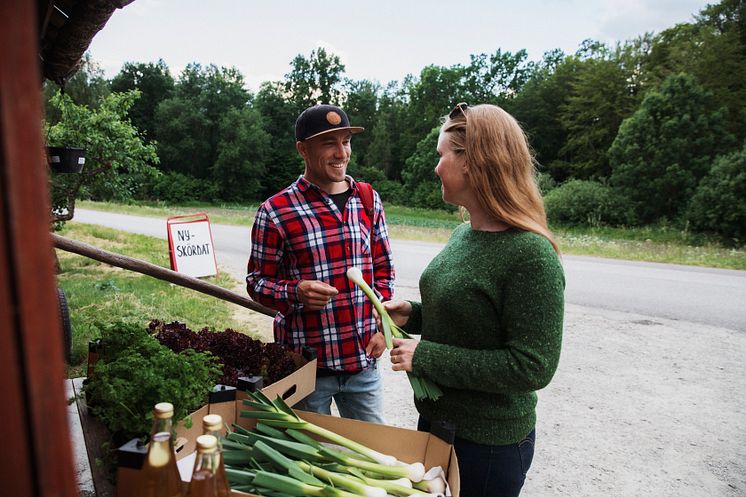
[380,40]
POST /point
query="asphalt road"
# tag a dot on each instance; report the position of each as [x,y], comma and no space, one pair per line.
[714,297]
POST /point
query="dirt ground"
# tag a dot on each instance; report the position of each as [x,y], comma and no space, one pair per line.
[638,407]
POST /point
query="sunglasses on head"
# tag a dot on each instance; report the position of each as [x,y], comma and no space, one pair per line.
[460,108]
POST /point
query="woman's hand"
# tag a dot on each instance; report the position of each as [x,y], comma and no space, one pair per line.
[399,310]
[402,353]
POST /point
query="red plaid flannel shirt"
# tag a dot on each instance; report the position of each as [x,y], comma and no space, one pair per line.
[299,234]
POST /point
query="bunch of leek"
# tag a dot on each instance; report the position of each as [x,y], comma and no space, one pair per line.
[422,387]
[280,458]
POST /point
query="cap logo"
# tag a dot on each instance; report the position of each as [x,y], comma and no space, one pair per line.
[333,118]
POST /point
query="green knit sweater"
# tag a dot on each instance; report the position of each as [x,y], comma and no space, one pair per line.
[491,324]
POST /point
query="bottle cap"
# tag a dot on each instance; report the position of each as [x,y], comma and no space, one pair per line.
[164,410]
[212,422]
[206,443]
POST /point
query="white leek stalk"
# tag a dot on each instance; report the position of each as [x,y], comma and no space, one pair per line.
[422,387]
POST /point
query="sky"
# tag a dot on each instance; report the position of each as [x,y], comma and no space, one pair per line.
[380,40]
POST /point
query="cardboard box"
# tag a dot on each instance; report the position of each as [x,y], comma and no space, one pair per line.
[226,401]
[406,445]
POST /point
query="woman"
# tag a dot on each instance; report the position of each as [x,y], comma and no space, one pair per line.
[492,303]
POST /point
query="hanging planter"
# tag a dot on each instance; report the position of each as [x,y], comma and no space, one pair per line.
[66,159]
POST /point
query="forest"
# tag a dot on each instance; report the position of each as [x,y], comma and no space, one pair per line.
[651,131]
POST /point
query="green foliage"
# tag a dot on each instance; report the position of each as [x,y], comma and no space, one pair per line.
[88,86]
[536,108]
[546,183]
[591,114]
[182,131]
[239,168]
[497,77]
[284,165]
[315,80]
[582,202]
[419,174]
[716,40]
[118,163]
[155,84]
[135,372]
[380,151]
[208,126]
[718,205]
[176,187]
[666,147]
[361,107]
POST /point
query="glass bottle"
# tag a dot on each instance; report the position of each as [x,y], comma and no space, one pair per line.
[212,424]
[204,476]
[160,476]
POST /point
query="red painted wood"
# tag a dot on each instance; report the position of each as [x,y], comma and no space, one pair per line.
[32,414]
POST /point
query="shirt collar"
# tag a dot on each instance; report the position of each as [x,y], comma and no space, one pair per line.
[304,185]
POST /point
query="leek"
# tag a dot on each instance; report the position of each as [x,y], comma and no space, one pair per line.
[277,414]
[422,387]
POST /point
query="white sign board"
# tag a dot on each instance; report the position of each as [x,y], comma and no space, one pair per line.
[190,245]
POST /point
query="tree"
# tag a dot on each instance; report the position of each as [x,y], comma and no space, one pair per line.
[242,149]
[496,78]
[118,163]
[183,133]
[315,80]
[716,39]
[188,124]
[283,164]
[380,150]
[419,176]
[666,147]
[88,86]
[600,99]
[155,84]
[718,205]
[536,108]
[361,107]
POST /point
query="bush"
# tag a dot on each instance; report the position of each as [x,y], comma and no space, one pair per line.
[587,203]
[546,183]
[175,187]
[718,204]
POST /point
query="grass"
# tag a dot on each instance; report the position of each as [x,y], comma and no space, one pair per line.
[98,293]
[652,244]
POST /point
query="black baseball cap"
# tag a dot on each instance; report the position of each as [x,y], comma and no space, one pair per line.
[320,119]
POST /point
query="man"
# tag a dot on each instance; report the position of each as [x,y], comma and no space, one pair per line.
[304,239]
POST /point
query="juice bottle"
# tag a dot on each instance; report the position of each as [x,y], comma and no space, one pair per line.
[204,476]
[212,424]
[160,476]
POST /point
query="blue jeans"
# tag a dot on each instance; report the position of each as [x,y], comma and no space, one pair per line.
[358,396]
[491,470]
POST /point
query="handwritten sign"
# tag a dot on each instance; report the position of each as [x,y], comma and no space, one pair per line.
[190,245]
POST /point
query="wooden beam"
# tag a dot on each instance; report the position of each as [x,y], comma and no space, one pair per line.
[159,272]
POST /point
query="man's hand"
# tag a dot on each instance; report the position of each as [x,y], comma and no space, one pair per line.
[376,346]
[314,294]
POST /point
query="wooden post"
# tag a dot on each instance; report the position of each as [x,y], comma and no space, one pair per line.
[36,441]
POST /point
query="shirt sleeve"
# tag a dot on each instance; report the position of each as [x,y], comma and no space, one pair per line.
[267,251]
[533,312]
[383,266]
